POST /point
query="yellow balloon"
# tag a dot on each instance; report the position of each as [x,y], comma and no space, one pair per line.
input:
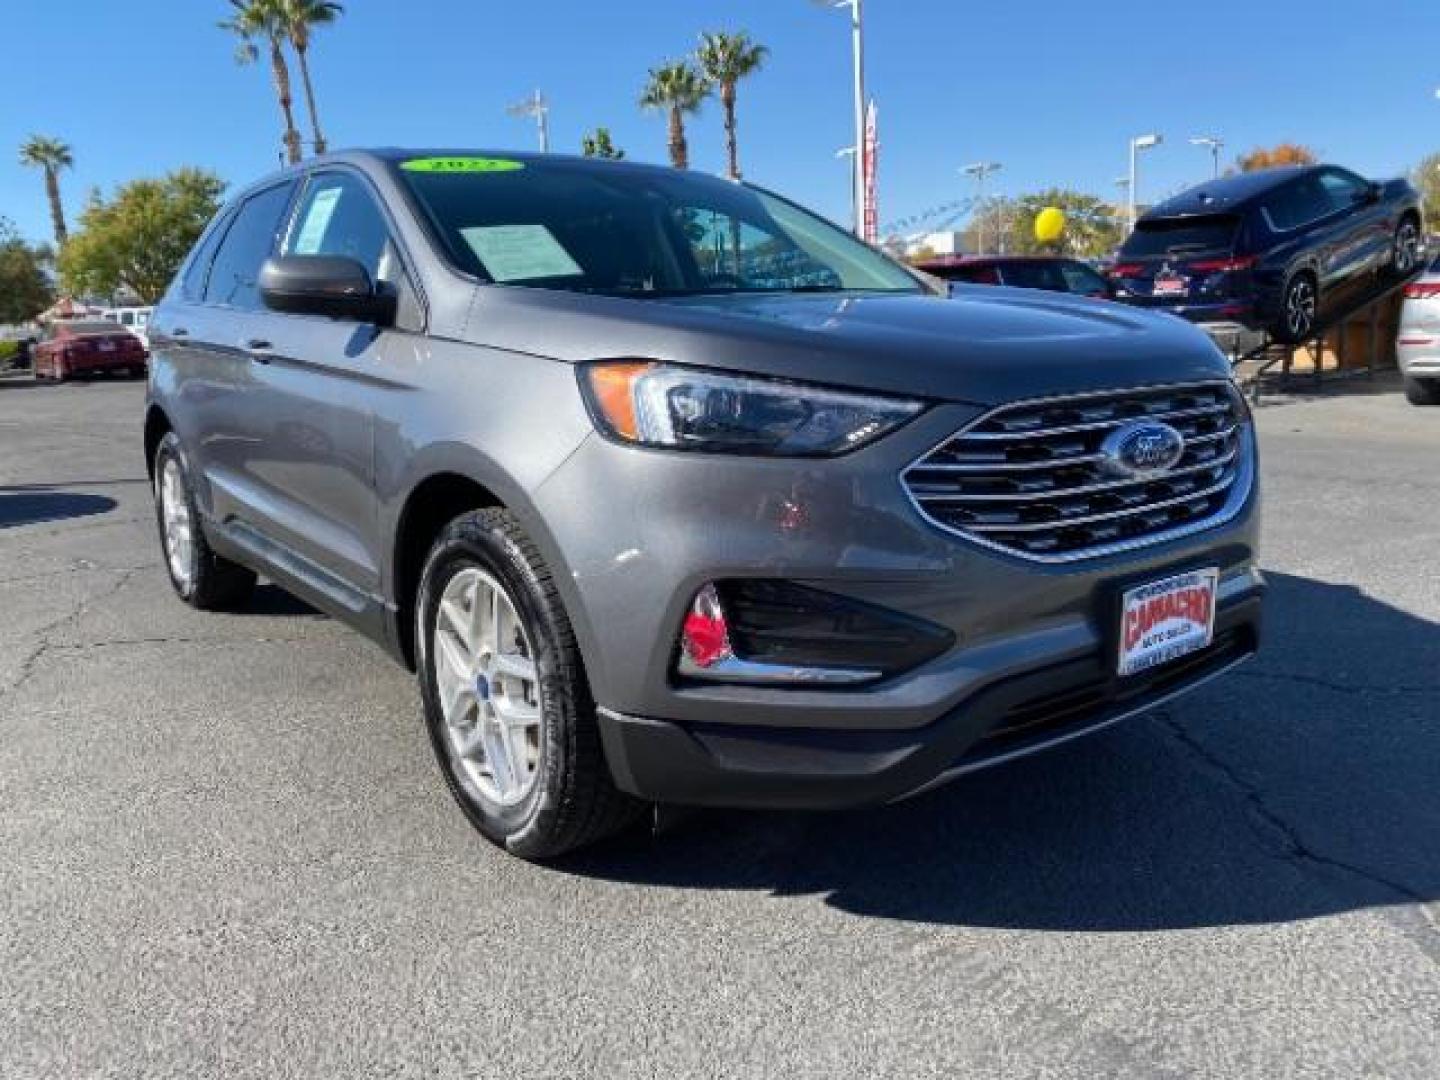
[1049,224]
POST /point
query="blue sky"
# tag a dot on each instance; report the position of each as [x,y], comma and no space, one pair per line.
[1051,88]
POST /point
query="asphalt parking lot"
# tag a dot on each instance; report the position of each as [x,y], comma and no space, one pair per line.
[225,849]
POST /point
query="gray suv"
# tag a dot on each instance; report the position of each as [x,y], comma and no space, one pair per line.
[673,493]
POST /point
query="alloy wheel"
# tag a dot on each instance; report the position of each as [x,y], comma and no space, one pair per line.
[1407,248]
[488,687]
[1300,307]
[179,529]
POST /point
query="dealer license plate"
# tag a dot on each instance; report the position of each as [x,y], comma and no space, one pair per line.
[1169,286]
[1165,620]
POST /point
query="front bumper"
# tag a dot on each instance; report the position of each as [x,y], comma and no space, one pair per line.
[635,533]
[710,764]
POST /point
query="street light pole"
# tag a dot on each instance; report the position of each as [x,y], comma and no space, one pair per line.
[539,108]
[857,33]
[1215,144]
[1140,142]
[980,170]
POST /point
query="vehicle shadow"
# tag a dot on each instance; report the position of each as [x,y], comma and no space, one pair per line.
[30,505]
[270,599]
[1301,786]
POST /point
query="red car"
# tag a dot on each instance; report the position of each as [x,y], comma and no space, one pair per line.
[85,348]
[1049,272]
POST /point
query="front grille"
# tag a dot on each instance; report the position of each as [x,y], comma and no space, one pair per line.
[1029,478]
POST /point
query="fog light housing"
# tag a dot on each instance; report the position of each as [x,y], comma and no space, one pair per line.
[779,633]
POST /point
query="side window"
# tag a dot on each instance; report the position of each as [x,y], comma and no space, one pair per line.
[247,244]
[338,216]
[193,285]
[1343,190]
[1296,204]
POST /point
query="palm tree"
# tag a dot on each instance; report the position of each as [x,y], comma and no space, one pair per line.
[301,18]
[51,155]
[680,89]
[725,59]
[264,19]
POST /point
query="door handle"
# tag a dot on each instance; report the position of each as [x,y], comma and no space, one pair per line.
[179,331]
[259,350]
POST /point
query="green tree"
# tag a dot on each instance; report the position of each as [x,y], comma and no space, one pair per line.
[50,156]
[265,19]
[301,18]
[138,239]
[1092,226]
[25,289]
[724,60]
[680,90]
[1274,157]
[1426,178]
[598,144]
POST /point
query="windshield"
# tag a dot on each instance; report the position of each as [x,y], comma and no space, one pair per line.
[587,227]
[1181,236]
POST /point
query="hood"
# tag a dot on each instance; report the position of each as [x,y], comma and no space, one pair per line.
[984,346]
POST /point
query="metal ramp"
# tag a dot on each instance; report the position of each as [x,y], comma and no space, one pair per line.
[1260,363]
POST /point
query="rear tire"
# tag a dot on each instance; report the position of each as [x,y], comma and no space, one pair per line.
[506,701]
[1405,249]
[1422,391]
[1299,308]
[201,578]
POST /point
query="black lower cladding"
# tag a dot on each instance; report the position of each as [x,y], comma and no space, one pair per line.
[779,622]
[812,768]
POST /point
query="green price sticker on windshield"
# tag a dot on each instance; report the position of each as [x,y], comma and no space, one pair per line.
[462,165]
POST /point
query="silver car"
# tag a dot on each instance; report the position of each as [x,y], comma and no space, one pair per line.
[1417,345]
[671,492]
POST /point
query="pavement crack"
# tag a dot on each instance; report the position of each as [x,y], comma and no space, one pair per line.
[43,644]
[1296,848]
[180,639]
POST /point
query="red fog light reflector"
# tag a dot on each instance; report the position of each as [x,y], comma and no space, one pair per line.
[705,639]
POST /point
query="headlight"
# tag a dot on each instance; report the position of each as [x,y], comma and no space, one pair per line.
[652,404]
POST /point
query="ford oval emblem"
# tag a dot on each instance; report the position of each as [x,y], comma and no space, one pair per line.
[1141,449]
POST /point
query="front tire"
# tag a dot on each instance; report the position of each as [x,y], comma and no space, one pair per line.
[506,700]
[201,578]
[1422,391]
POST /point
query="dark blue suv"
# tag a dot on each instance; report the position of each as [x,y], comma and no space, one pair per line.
[1277,250]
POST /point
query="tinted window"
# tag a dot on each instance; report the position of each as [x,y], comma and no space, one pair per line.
[193,286]
[1182,236]
[1296,204]
[1079,278]
[1343,190]
[248,243]
[1033,275]
[627,231]
[338,216]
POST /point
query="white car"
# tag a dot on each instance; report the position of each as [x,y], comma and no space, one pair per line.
[134,319]
[1417,345]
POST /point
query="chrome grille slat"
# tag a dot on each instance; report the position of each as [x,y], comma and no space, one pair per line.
[1027,478]
[1060,493]
[1146,509]
[1102,425]
[1056,463]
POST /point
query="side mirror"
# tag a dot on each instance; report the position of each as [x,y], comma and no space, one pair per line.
[1371,194]
[328,285]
